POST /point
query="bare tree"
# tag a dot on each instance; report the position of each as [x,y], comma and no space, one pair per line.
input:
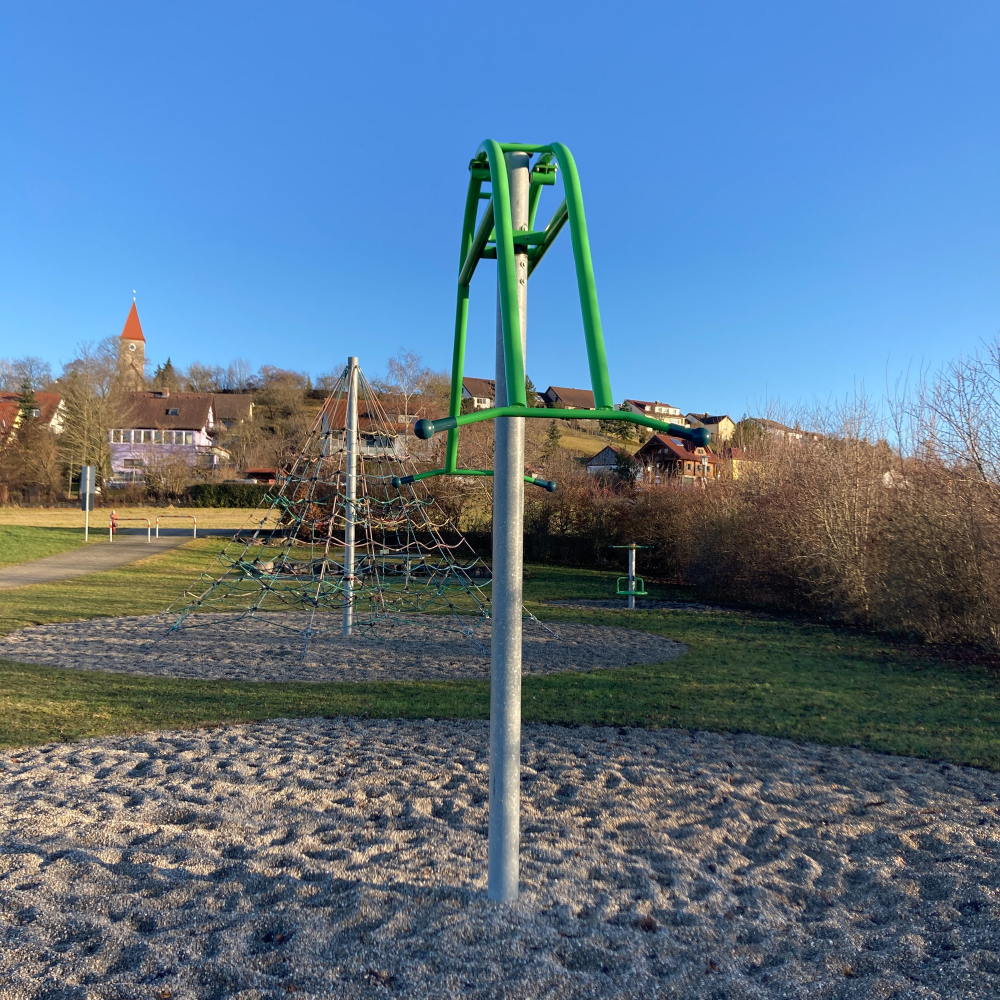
[204,378]
[15,372]
[239,376]
[961,414]
[93,396]
[408,377]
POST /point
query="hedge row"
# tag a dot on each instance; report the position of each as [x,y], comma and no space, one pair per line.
[227,494]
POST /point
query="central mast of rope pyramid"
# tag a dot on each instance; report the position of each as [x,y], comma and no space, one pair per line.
[350,502]
[506,233]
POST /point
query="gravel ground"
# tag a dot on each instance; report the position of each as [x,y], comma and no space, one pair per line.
[251,651]
[346,858]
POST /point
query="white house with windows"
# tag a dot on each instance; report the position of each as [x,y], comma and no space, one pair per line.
[161,428]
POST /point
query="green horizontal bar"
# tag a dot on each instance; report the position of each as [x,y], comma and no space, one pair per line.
[529,238]
[521,147]
[700,437]
[397,481]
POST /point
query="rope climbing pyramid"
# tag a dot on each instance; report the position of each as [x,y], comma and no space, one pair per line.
[347,539]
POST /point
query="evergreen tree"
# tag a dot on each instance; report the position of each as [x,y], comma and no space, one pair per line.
[26,402]
[165,377]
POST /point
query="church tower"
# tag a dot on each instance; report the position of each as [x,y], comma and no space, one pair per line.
[132,350]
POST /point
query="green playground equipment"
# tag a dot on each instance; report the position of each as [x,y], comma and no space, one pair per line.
[494,238]
[635,586]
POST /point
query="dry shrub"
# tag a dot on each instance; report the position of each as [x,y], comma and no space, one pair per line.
[836,525]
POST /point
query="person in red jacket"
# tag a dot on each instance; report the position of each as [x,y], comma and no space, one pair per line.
[114,523]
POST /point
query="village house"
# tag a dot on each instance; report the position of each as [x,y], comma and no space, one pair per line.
[560,398]
[785,433]
[49,410]
[603,463]
[664,458]
[163,427]
[654,408]
[233,408]
[735,463]
[721,427]
[482,392]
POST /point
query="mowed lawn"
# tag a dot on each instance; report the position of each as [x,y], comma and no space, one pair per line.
[742,672]
[23,543]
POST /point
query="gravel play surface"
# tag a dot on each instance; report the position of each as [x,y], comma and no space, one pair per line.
[346,858]
[251,651]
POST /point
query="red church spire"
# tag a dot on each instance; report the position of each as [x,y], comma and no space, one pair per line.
[133,329]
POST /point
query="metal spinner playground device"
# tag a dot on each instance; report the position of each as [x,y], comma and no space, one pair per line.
[506,232]
[495,238]
[337,543]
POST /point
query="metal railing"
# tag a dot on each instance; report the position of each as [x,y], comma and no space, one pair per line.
[190,517]
[115,521]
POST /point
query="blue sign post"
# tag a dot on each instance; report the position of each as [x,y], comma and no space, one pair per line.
[86,497]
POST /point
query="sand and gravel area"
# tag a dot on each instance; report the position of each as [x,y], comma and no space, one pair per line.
[253,651]
[346,858]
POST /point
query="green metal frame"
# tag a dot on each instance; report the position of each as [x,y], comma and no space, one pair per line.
[494,238]
[641,592]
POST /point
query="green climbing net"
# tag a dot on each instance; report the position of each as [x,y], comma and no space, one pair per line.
[411,564]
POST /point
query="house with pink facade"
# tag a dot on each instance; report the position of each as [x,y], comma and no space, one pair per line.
[159,428]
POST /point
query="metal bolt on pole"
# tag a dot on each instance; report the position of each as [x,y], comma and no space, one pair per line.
[351,462]
[508,558]
[631,578]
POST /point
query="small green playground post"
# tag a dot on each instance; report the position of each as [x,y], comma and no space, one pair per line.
[633,591]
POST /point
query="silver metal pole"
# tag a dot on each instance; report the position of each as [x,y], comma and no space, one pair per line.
[631,578]
[508,558]
[86,525]
[351,461]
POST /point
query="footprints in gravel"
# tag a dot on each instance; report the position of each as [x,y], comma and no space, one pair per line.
[347,858]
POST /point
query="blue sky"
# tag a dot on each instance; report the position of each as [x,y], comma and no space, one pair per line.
[784,199]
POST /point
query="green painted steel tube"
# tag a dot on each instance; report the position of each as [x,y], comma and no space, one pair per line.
[596,354]
[535,194]
[507,277]
[479,242]
[552,230]
[524,147]
[461,318]
[698,436]
[397,481]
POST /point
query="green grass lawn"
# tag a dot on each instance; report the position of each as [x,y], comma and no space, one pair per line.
[20,544]
[742,673]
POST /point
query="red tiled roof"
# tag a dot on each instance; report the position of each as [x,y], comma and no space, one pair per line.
[561,397]
[149,410]
[485,388]
[48,404]
[132,329]
[8,418]
[678,449]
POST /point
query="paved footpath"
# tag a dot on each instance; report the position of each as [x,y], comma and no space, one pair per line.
[93,558]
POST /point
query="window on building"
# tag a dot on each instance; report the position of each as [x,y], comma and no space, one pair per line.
[173,412]
[189,437]
[157,437]
[133,463]
[687,466]
[116,436]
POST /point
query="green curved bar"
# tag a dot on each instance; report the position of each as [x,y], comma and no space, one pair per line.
[592,330]
[397,481]
[510,316]
[489,164]
[700,437]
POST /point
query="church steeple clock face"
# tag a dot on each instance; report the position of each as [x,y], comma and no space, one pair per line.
[131,347]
